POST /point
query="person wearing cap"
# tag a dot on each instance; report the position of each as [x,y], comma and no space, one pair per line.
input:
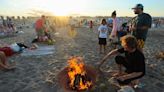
[141,23]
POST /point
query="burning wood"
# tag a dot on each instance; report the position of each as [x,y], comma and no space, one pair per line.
[77,74]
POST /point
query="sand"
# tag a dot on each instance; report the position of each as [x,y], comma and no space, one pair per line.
[39,73]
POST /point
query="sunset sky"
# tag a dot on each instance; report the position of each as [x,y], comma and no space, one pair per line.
[82,7]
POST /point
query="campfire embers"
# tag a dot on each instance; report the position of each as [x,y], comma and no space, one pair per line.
[77,76]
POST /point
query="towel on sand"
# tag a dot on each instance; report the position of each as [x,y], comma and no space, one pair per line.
[42,50]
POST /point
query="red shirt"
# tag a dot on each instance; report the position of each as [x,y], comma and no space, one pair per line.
[39,24]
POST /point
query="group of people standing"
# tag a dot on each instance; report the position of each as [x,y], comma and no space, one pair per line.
[6,26]
[108,29]
[138,27]
[132,45]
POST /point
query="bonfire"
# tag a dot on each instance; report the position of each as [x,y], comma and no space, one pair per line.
[77,74]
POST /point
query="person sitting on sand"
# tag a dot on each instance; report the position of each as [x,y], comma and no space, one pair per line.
[133,61]
[4,65]
[102,35]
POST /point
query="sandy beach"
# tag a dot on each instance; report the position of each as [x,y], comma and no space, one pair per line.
[39,73]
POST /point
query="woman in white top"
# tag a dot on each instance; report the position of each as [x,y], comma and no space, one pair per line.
[102,35]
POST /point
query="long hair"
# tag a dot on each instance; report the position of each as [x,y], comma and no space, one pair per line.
[114,13]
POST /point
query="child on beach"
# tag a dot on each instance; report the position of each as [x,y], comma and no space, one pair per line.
[102,35]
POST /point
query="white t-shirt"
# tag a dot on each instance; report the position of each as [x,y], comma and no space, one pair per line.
[103,29]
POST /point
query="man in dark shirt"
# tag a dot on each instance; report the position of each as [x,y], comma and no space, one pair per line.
[141,23]
[133,61]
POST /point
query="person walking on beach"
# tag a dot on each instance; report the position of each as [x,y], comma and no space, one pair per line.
[102,35]
[139,28]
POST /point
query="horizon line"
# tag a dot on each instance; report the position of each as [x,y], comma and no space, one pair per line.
[67,16]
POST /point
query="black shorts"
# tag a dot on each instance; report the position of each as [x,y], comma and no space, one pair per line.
[122,60]
[102,41]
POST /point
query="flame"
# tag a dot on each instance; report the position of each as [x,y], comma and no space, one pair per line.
[76,67]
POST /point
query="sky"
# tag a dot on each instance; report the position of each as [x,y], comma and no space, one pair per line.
[79,7]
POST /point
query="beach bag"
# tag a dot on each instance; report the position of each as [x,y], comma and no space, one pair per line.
[7,50]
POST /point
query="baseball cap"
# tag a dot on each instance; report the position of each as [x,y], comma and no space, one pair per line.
[138,6]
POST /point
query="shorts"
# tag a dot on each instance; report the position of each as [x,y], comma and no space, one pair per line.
[7,51]
[102,41]
[122,60]
[140,43]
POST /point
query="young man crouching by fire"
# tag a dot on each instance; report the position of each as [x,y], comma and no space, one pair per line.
[133,61]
